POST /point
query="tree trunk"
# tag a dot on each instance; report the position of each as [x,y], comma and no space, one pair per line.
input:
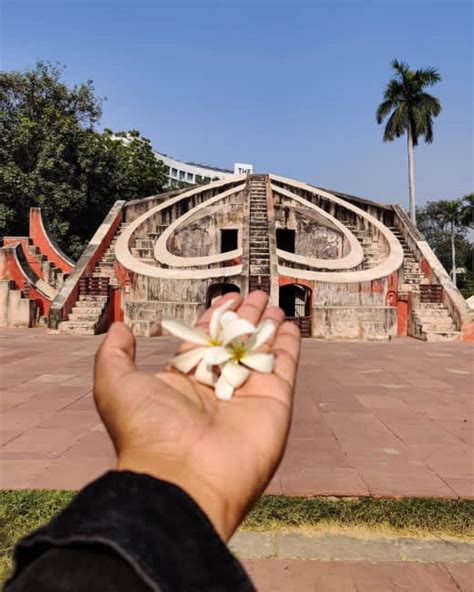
[411,175]
[453,256]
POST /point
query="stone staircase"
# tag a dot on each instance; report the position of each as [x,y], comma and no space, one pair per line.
[373,255]
[144,247]
[105,266]
[85,316]
[259,252]
[413,273]
[88,315]
[432,322]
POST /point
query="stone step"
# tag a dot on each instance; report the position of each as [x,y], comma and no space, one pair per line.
[83,317]
[259,269]
[431,305]
[425,315]
[144,243]
[76,328]
[446,327]
[91,298]
[87,310]
[87,305]
[435,336]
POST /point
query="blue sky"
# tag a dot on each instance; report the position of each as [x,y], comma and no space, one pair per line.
[289,85]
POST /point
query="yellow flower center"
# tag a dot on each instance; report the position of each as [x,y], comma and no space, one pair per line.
[238,352]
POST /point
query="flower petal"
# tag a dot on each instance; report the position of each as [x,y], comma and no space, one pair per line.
[205,374]
[259,361]
[217,355]
[214,326]
[186,361]
[263,332]
[183,331]
[227,317]
[234,374]
[236,328]
[224,390]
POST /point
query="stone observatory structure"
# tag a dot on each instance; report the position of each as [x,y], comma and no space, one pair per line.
[340,266]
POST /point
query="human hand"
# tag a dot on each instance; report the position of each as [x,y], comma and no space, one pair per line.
[222,453]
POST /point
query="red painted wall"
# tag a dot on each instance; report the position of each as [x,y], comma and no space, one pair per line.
[11,270]
[41,240]
[33,261]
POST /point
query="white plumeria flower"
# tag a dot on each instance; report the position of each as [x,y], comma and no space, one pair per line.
[220,334]
[223,348]
[237,359]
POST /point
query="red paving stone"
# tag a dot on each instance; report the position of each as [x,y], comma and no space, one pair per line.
[298,575]
[386,419]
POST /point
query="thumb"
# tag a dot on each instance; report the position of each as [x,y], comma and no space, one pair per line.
[115,357]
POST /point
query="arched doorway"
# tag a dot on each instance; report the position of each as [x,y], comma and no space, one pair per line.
[217,290]
[295,300]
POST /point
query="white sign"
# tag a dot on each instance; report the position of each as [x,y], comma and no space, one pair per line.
[241,168]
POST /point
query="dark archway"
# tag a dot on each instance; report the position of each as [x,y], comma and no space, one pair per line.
[218,290]
[295,300]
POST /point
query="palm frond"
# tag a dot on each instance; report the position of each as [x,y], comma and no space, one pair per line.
[401,68]
[427,76]
[396,125]
[384,109]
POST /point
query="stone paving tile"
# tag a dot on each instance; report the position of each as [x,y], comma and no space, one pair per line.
[19,475]
[386,419]
[70,472]
[462,574]
[329,481]
[39,443]
[288,575]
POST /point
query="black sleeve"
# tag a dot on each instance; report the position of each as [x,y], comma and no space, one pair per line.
[127,531]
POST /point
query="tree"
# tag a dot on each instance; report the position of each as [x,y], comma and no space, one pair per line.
[52,156]
[445,225]
[410,109]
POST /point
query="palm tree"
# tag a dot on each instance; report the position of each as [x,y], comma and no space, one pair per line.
[411,110]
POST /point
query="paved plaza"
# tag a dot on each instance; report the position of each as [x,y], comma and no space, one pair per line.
[283,575]
[385,419]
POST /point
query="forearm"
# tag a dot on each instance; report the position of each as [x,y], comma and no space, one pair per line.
[152,526]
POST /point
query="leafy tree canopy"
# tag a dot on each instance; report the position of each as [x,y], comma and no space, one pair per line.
[437,220]
[52,156]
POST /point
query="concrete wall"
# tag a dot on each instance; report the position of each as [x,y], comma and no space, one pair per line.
[15,311]
[354,322]
[202,236]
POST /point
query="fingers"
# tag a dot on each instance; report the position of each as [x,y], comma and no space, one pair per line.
[275,314]
[203,321]
[286,347]
[115,357]
[253,306]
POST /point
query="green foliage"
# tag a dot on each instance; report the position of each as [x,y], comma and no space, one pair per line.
[443,219]
[408,105]
[52,156]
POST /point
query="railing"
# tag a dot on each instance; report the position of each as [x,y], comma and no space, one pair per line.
[99,243]
[431,293]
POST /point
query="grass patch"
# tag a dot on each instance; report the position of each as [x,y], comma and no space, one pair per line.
[405,516]
[21,511]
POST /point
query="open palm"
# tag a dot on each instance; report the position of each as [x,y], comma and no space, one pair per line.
[223,453]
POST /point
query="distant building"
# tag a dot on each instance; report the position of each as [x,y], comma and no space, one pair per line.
[193,173]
